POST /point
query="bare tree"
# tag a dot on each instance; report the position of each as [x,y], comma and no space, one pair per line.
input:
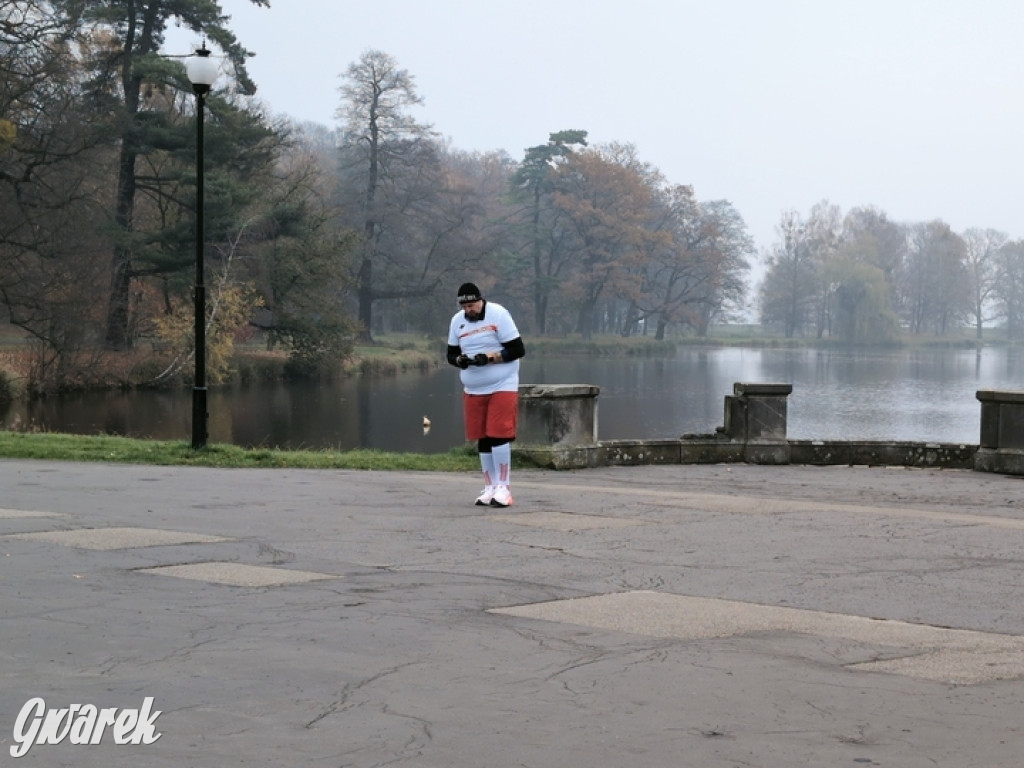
[982,247]
[1008,292]
[52,159]
[789,292]
[821,237]
[935,284]
[723,249]
[883,243]
[385,152]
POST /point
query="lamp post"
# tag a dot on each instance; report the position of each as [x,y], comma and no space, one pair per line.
[202,71]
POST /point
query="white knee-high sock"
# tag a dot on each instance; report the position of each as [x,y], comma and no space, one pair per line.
[487,465]
[502,463]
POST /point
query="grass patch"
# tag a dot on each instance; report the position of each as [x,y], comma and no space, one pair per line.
[126,450]
[397,353]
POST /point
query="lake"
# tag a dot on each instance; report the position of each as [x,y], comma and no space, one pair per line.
[913,395]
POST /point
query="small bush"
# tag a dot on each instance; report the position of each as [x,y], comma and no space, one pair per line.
[378,367]
[258,368]
[148,369]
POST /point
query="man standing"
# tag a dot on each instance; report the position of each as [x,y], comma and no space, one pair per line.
[484,342]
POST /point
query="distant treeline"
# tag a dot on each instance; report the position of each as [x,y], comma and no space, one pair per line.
[318,238]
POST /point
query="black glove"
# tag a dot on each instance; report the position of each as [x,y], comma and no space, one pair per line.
[463,362]
[480,359]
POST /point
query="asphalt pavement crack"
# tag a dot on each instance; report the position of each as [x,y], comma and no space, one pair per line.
[341,704]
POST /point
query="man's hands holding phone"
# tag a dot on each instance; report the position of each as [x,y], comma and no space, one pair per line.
[464,361]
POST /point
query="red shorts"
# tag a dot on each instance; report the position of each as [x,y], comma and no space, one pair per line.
[492,415]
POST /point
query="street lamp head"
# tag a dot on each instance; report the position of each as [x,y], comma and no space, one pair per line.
[202,69]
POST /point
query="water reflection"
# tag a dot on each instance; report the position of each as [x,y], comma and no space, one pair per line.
[914,395]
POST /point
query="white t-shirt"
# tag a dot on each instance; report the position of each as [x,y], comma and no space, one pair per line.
[485,335]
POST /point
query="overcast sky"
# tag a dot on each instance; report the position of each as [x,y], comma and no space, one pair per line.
[914,106]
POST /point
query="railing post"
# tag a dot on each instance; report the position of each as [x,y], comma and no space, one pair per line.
[1001,447]
[755,414]
[558,424]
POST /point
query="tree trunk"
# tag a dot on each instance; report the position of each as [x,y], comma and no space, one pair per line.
[540,302]
[369,232]
[117,335]
[365,292]
[631,321]
[586,320]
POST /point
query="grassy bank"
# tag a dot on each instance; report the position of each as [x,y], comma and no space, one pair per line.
[124,450]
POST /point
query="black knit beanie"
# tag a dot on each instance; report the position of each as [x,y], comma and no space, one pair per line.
[469,292]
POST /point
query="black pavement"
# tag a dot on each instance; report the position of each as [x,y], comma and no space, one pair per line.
[708,616]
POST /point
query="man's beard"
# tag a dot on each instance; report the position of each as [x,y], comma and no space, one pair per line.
[474,316]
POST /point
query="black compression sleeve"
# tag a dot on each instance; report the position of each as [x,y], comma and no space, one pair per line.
[513,350]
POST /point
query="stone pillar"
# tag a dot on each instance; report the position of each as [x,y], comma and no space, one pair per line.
[755,414]
[1001,448]
[558,424]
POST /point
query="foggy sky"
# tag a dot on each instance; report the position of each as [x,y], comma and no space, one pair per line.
[914,106]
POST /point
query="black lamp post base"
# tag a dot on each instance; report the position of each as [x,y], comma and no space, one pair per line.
[199,418]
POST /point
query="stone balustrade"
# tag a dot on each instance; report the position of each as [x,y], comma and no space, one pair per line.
[558,428]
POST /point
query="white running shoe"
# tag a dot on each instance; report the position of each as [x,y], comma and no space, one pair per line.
[484,499]
[502,497]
